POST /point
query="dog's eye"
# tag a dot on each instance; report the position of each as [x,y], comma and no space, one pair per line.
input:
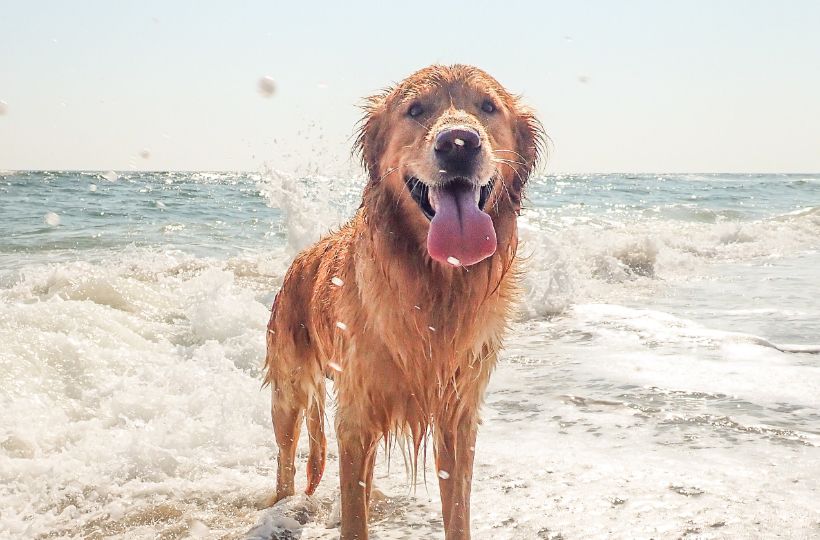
[415,110]
[488,106]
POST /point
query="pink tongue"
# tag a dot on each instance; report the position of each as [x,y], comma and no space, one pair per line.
[460,233]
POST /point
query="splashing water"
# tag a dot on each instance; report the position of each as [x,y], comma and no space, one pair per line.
[650,325]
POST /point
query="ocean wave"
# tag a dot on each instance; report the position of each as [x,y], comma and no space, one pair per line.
[130,376]
[144,371]
[588,261]
[570,258]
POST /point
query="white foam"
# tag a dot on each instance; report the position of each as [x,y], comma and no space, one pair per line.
[590,259]
[137,376]
[130,389]
[312,206]
[705,359]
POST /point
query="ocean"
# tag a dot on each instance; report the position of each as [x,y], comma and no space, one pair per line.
[658,380]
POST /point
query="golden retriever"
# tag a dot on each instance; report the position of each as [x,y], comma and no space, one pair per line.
[405,306]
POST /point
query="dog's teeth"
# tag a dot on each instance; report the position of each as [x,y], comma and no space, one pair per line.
[458,142]
[453,261]
[337,281]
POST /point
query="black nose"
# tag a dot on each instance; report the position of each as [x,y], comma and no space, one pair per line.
[457,145]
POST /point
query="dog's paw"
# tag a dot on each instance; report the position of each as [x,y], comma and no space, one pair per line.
[271,500]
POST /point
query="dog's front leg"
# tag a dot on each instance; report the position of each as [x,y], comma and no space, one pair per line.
[357,454]
[455,449]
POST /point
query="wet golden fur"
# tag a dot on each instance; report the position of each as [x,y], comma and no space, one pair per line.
[409,342]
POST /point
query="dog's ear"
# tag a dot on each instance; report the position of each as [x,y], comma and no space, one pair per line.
[529,142]
[370,137]
[529,138]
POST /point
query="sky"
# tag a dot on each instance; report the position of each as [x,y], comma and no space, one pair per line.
[630,86]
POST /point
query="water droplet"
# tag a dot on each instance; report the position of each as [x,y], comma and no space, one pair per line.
[444,475]
[51,219]
[266,86]
[337,281]
[92,187]
[418,308]
[432,328]
[340,325]
[197,529]
[453,261]
[145,154]
[583,79]
[362,484]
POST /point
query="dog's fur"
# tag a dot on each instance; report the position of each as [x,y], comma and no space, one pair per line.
[408,341]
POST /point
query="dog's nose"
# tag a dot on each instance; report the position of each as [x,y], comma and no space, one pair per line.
[457,144]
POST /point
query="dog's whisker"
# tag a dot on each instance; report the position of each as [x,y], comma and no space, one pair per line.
[510,152]
[504,162]
[427,128]
[500,160]
[388,173]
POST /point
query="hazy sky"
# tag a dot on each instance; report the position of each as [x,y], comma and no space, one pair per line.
[669,86]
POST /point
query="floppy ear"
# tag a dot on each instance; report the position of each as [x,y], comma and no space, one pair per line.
[529,142]
[529,139]
[369,137]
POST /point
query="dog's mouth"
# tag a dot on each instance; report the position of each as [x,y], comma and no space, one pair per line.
[461,233]
[420,192]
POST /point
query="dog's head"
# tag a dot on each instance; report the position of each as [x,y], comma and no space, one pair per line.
[452,149]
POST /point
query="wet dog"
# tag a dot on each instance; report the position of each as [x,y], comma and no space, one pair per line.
[405,306]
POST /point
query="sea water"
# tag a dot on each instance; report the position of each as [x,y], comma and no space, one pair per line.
[644,391]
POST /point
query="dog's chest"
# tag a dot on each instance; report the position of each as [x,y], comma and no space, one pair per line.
[430,330]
